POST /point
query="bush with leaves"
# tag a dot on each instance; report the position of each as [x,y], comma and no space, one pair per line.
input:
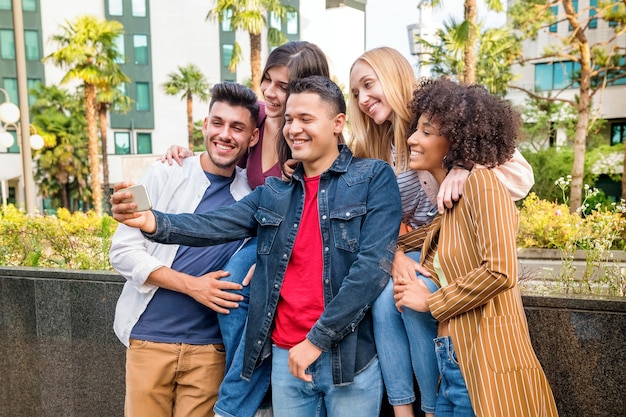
[73,241]
[598,230]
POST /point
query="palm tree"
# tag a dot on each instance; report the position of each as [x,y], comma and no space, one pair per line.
[497,50]
[467,35]
[61,166]
[189,81]
[250,16]
[87,49]
[109,96]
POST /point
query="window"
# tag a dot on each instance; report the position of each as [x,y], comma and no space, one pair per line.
[226,16]
[292,23]
[227,54]
[143,97]
[555,12]
[7,44]
[31,41]
[593,22]
[275,21]
[122,143]
[618,133]
[144,143]
[116,7]
[122,89]
[139,8]
[120,48]
[140,46]
[32,84]
[555,75]
[29,5]
[10,86]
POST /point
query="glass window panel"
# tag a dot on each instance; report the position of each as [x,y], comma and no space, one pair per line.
[227,54]
[10,86]
[122,89]
[29,5]
[555,11]
[275,21]
[139,8]
[140,44]
[543,77]
[122,143]
[143,97]
[292,23]
[7,44]
[561,74]
[593,23]
[226,16]
[5,4]
[121,49]
[116,7]
[31,41]
[144,143]
[618,132]
[32,85]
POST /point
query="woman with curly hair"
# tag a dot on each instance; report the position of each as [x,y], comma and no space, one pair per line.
[382,84]
[487,364]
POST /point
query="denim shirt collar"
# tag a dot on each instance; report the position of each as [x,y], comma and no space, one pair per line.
[341,164]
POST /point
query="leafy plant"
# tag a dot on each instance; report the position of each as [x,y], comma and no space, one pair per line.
[67,240]
[598,230]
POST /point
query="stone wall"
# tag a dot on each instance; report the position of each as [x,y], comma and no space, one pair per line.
[60,358]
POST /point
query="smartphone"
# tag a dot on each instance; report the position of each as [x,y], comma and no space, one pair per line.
[140,196]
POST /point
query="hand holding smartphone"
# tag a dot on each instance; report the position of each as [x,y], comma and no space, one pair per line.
[140,196]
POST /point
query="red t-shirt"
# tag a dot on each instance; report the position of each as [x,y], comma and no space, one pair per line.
[302,295]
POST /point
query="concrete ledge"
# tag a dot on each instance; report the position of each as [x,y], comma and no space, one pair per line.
[60,358]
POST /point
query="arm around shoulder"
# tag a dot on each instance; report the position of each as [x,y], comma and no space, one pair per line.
[516,175]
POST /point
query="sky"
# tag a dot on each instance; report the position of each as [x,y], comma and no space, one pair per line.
[387,21]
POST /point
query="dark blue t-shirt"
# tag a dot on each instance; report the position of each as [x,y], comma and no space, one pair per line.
[173,317]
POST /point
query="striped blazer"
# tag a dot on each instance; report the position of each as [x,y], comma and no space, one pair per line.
[482,301]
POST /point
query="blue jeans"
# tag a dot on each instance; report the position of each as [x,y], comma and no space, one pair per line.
[405,346]
[292,396]
[238,397]
[453,399]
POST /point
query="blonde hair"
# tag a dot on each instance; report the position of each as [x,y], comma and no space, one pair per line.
[398,82]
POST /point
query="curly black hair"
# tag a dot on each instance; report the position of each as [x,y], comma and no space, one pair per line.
[481,127]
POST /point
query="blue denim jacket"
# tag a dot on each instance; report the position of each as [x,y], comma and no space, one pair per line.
[360,211]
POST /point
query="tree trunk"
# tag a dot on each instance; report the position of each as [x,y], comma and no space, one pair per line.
[190,119]
[583,106]
[469,54]
[94,157]
[255,63]
[102,114]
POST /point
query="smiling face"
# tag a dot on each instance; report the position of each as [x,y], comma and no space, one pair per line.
[366,87]
[228,132]
[274,88]
[428,148]
[311,131]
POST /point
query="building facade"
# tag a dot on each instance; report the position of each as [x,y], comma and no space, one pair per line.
[552,76]
[159,36]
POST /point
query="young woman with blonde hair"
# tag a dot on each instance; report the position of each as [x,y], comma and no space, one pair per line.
[382,82]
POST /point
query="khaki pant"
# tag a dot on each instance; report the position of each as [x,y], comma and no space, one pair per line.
[172,379]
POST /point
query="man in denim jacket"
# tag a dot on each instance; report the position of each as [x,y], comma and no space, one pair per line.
[326,242]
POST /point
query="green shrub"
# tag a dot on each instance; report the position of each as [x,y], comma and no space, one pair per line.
[597,230]
[73,241]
